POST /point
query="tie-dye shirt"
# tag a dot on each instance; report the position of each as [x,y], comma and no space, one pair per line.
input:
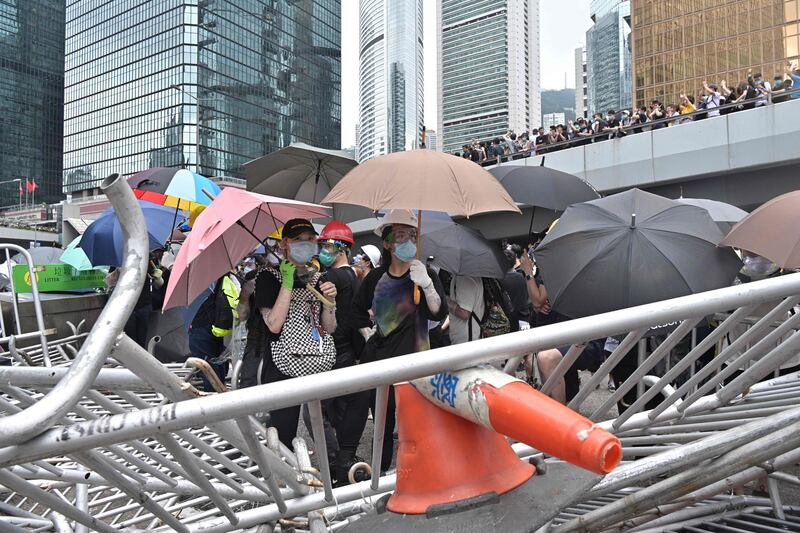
[402,327]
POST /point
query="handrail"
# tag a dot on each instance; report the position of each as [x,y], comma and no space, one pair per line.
[628,130]
[210,409]
[22,426]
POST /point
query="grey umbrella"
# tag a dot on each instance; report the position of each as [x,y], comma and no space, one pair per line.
[725,215]
[306,173]
[540,186]
[43,255]
[463,251]
[544,187]
[630,249]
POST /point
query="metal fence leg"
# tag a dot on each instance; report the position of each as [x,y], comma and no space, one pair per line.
[379,423]
[318,429]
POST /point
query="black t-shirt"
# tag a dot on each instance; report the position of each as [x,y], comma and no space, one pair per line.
[266,293]
[402,327]
[515,285]
[346,286]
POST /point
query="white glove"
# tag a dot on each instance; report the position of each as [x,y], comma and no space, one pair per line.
[419,274]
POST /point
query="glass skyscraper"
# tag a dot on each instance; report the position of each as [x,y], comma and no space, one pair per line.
[205,84]
[488,69]
[391,89]
[678,45]
[31,98]
[608,56]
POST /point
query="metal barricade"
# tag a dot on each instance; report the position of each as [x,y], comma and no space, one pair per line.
[131,444]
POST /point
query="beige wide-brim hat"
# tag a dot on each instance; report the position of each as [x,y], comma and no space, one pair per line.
[396,216]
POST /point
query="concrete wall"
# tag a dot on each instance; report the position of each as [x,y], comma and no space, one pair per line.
[727,145]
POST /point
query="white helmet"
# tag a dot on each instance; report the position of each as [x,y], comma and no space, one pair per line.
[373,253]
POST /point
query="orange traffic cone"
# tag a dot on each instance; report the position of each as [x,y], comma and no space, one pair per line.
[499,402]
[443,458]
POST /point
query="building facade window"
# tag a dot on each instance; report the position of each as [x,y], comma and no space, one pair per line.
[208,85]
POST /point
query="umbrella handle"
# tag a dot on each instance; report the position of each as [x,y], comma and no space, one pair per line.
[320,296]
[417,295]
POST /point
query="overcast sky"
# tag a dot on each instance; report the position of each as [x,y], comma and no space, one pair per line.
[563,28]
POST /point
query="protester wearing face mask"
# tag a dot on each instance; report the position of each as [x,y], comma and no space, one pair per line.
[387,293]
[345,416]
[298,317]
[369,259]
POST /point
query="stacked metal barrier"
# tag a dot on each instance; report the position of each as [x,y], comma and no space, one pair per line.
[107,438]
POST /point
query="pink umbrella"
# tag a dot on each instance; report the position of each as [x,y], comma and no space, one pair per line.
[224,234]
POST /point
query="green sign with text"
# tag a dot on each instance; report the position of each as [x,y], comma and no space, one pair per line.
[53,278]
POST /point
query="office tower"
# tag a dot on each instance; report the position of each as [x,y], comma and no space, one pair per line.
[581,89]
[553,119]
[608,56]
[31,100]
[433,141]
[489,76]
[208,85]
[391,109]
[676,50]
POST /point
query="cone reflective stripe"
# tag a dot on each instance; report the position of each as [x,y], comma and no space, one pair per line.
[493,399]
[443,458]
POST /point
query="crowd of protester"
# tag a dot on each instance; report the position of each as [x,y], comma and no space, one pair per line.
[711,101]
[314,302]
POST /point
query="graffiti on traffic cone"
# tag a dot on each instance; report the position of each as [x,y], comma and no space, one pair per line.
[509,406]
[443,458]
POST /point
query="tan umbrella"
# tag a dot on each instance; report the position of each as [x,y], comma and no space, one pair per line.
[771,231]
[422,180]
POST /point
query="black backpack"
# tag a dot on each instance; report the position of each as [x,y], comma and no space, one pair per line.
[498,311]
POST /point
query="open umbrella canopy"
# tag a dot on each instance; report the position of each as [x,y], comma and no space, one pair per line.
[725,215]
[771,231]
[42,255]
[103,243]
[75,257]
[422,179]
[544,187]
[463,251]
[631,249]
[224,234]
[173,187]
[305,173]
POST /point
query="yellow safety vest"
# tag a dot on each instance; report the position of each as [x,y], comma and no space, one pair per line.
[231,292]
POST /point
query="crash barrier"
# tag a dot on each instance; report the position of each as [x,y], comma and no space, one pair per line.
[131,444]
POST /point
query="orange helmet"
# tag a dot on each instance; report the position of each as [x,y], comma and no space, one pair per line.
[337,231]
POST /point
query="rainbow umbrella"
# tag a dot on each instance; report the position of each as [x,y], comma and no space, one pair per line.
[174,187]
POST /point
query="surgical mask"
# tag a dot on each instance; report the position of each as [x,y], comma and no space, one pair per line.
[758,267]
[302,252]
[273,260]
[405,251]
[327,258]
[248,269]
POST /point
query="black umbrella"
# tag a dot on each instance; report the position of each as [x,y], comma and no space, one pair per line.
[630,249]
[463,251]
[306,173]
[539,186]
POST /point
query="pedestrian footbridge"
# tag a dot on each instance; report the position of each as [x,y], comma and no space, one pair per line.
[743,158]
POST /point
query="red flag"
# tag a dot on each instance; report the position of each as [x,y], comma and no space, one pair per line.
[31,185]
